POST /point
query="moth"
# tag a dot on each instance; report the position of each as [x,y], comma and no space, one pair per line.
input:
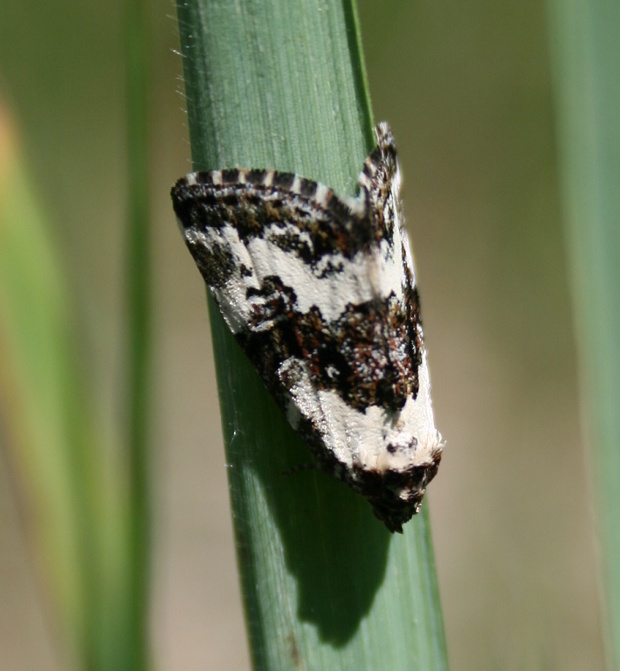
[320,292]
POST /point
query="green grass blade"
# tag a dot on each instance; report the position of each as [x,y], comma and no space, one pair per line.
[87,503]
[280,84]
[137,409]
[586,48]
[56,444]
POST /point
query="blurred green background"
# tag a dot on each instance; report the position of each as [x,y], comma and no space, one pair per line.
[467,90]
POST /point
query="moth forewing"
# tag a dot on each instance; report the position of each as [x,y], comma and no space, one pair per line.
[320,292]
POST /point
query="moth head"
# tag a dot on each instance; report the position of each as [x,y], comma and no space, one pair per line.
[387,149]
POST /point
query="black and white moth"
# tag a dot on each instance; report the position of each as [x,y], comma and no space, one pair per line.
[320,292]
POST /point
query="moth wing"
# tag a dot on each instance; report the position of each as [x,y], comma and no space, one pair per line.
[320,292]
[282,257]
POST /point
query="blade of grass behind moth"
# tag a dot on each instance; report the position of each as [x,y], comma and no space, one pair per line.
[280,84]
[138,415]
[55,441]
[586,50]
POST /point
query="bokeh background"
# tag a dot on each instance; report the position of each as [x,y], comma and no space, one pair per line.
[468,92]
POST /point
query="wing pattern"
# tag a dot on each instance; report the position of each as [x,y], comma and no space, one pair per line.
[320,292]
